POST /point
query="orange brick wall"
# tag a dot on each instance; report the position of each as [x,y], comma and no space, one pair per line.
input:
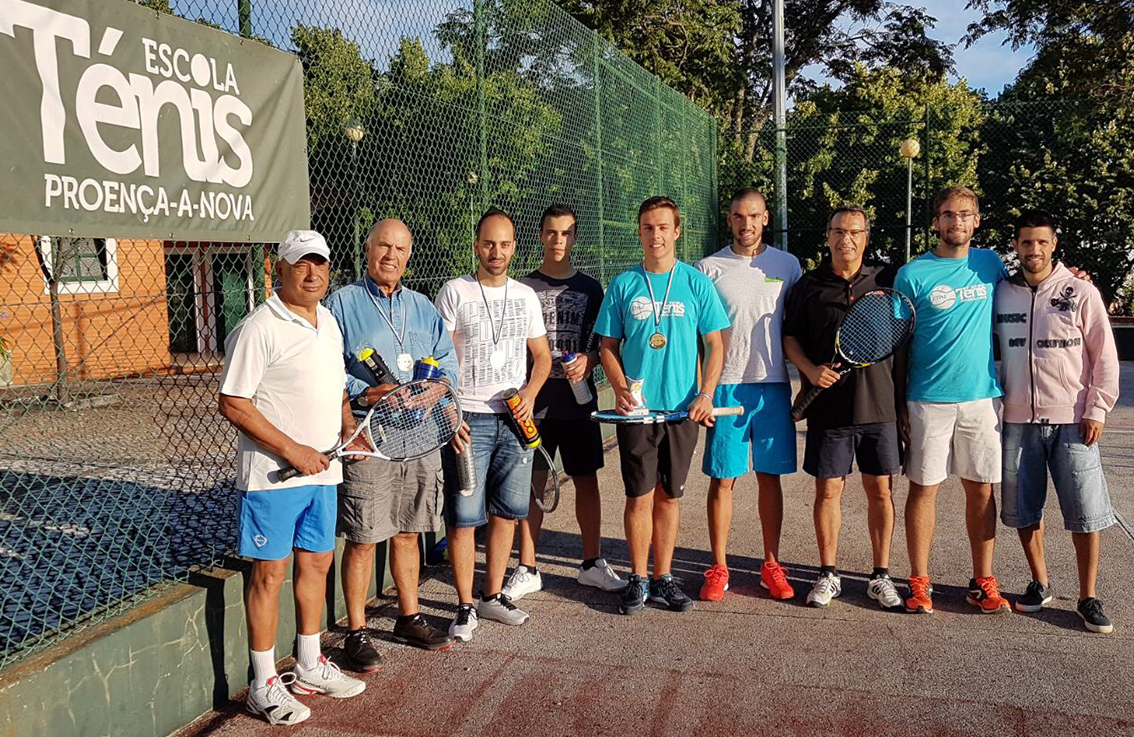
[105,335]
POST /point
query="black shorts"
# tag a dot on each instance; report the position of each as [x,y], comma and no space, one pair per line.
[830,452]
[579,443]
[653,454]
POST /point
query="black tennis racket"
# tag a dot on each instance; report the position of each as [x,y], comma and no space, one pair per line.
[545,485]
[877,324]
[407,422]
[654,417]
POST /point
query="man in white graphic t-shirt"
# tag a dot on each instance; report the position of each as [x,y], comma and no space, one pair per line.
[753,281]
[495,322]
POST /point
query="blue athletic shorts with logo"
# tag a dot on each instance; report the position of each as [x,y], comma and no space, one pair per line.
[274,522]
[765,425]
[503,474]
[1029,452]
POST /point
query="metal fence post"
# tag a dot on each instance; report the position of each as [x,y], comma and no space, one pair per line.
[927,193]
[658,132]
[481,42]
[244,13]
[598,161]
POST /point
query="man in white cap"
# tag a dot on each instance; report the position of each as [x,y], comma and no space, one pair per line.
[283,388]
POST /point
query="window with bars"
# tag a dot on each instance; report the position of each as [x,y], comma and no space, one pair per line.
[81,259]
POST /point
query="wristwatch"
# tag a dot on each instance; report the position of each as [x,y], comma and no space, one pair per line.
[362,399]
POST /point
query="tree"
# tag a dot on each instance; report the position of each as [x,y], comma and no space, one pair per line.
[719,52]
[843,150]
[1059,138]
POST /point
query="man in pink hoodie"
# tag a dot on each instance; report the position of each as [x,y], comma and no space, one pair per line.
[1059,371]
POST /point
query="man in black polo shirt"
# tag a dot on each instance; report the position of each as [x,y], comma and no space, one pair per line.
[852,419]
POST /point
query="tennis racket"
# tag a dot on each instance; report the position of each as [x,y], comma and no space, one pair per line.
[654,417]
[545,491]
[407,422]
[877,324]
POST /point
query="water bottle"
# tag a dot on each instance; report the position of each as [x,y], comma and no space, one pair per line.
[466,470]
[579,388]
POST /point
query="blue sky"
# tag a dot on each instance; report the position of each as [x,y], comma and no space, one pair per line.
[988,64]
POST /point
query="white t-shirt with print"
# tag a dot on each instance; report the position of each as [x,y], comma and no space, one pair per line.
[484,323]
[753,291]
[294,374]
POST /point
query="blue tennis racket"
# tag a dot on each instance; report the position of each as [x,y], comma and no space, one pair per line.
[653,417]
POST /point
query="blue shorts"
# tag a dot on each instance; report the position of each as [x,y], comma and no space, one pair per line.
[1029,451]
[503,474]
[765,425]
[274,522]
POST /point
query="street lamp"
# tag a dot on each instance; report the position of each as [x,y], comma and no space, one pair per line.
[909,150]
[355,132]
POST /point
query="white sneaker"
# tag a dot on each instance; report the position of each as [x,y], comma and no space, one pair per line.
[883,591]
[273,702]
[521,583]
[326,678]
[602,576]
[501,609]
[827,587]
[464,623]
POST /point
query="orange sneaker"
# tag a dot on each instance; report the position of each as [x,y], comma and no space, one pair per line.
[716,583]
[773,577]
[921,595]
[984,593]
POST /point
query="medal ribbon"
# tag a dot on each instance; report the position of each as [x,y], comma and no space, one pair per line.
[389,318]
[658,314]
[496,334]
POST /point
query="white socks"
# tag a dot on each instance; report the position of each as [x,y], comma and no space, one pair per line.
[263,667]
[307,651]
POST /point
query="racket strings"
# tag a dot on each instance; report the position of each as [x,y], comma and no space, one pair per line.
[413,421]
[876,325]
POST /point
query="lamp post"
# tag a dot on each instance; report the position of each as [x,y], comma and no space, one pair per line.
[909,150]
[355,132]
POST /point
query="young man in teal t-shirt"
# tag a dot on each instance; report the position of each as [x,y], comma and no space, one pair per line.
[951,416]
[649,321]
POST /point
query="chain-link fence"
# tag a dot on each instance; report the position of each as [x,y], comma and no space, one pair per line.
[115,468]
[1050,154]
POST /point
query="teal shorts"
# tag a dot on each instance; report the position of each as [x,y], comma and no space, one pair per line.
[765,425]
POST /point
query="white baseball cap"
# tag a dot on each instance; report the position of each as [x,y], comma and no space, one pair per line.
[298,243]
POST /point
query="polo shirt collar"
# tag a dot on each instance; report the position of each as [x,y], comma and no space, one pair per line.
[372,287]
[282,311]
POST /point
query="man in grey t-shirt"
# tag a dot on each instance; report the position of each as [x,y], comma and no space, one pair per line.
[753,281]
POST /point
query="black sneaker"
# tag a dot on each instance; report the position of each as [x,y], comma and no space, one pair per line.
[1034,597]
[420,633]
[361,655]
[634,595]
[1090,609]
[666,591]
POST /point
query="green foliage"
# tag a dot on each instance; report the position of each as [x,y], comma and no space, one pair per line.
[719,52]
[843,150]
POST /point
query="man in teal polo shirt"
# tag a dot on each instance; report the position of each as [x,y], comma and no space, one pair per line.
[649,321]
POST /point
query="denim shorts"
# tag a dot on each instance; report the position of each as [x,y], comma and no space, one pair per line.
[503,474]
[272,523]
[1029,451]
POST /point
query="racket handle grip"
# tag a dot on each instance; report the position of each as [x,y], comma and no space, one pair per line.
[727,411]
[800,407]
[288,473]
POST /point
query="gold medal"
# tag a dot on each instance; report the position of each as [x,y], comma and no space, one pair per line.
[657,341]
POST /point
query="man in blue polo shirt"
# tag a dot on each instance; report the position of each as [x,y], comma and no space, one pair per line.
[388,500]
[650,320]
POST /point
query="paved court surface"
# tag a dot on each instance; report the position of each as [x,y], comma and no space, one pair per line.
[750,665]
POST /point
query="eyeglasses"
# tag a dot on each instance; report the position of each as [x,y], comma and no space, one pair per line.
[839,233]
[964,216]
